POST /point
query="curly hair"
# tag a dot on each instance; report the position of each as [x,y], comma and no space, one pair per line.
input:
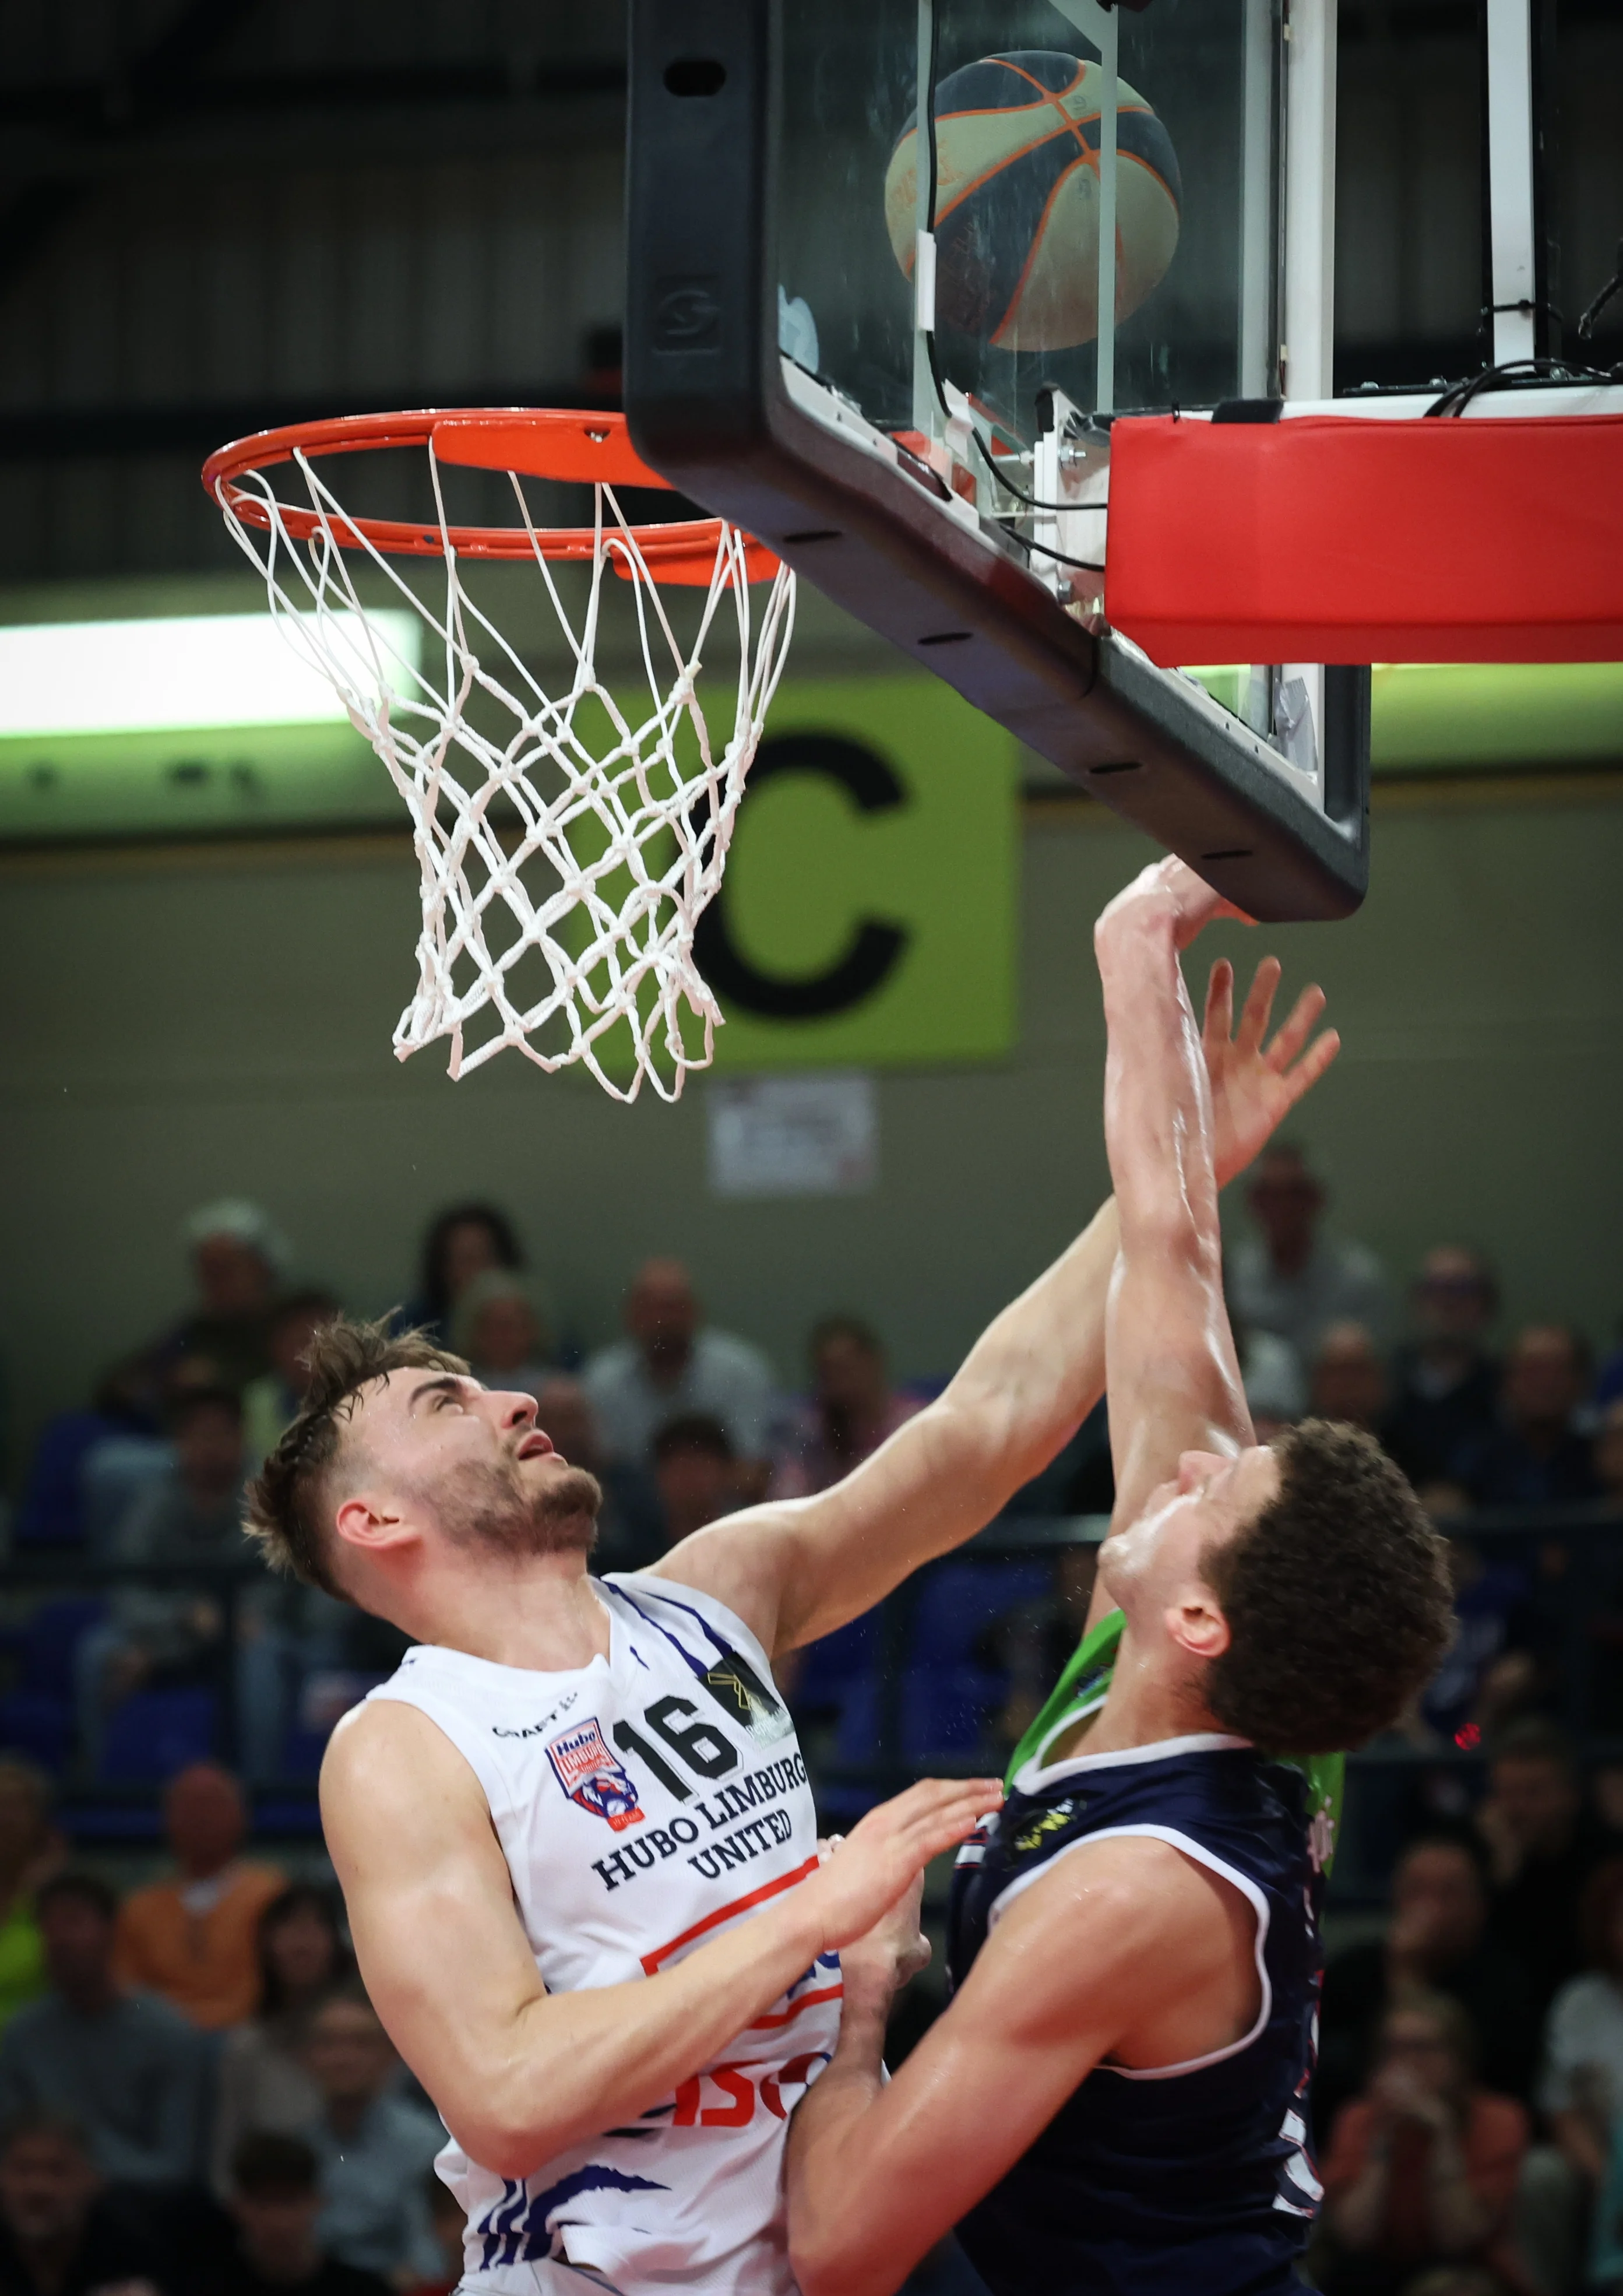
[285,1499]
[1337,1599]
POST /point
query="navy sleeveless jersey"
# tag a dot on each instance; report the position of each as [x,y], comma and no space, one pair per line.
[1191,2178]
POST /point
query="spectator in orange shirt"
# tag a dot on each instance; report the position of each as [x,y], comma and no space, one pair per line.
[1422,2166]
[195,1940]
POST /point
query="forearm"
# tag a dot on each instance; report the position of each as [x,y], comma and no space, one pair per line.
[1035,1372]
[824,2167]
[566,2066]
[1157,1102]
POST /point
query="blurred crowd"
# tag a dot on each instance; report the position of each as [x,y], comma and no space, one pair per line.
[196,2097]
[195,2090]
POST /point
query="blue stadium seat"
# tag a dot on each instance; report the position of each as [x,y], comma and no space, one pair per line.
[34,1723]
[960,1600]
[946,1711]
[829,1667]
[155,1733]
[51,1639]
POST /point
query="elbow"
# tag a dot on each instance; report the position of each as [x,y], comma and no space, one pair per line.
[503,2147]
[501,2136]
[825,2263]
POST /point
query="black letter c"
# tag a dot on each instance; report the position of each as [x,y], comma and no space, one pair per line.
[874,948]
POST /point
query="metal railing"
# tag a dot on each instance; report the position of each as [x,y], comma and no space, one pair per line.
[1574,1555]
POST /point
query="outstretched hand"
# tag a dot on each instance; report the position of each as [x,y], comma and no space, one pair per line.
[1256,1085]
[882,1857]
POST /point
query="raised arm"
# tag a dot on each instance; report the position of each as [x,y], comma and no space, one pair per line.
[520,2074]
[1174,1376]
[799,1569]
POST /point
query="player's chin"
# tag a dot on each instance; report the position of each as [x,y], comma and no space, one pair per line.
[568,1502]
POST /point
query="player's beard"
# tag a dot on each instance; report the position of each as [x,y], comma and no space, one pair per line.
[490,1509]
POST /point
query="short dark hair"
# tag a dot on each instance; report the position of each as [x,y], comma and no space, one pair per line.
[268,2165]
[284,1498]
[861,1334]
[692,1431]
[298,1897]
[310,1299]
[86,1889]
[1337,1599]
[504,1242]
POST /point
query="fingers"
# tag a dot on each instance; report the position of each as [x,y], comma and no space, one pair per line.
[938,1812]
[1258,1005]
[1297,1027]
[1311,1066]
[1218,1026]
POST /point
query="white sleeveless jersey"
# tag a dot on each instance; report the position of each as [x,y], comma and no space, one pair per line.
[644,1803]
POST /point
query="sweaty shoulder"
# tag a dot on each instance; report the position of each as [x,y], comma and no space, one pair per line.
[1136,1923]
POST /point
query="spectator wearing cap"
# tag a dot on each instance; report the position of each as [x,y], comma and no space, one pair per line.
[1536,1456]
[239,1257]
[1446,1383]
[1437,1940]
[275,2205]
[58,2236]
[695,1474]
[130,2071]
[375,2149]
[1291,1277]
[263,2081]
[1542,1847]
[672,1366]
[30,1851]
[464,1242]
[271,1401]
[853,1409]
[497,1328]
[194,1939]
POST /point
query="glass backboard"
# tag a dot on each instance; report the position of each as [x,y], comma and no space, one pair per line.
[890,336]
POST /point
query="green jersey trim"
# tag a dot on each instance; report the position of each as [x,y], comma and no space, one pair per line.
[1082,1688]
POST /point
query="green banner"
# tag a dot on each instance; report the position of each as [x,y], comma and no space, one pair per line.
[868,912]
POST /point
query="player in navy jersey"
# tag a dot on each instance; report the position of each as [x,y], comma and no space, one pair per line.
[574,1835]
[1114,2103]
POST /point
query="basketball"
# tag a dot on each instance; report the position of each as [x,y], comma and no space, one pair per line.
[1017,201]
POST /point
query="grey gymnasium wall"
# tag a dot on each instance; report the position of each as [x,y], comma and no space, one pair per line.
[185,1022]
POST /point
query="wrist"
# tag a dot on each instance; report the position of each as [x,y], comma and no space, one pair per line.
[864,2017]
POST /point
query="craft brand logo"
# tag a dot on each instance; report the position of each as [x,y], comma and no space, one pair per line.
[686,314]
[590,1776]
[534,1729]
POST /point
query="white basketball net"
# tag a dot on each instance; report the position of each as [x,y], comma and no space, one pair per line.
[599,846]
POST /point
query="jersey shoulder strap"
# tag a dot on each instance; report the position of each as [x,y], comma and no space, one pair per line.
[1082,1686]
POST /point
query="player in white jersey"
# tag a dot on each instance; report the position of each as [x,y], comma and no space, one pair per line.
[574,1831]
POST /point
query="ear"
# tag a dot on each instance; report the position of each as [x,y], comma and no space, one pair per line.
[371,1524]
[1195,1624]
